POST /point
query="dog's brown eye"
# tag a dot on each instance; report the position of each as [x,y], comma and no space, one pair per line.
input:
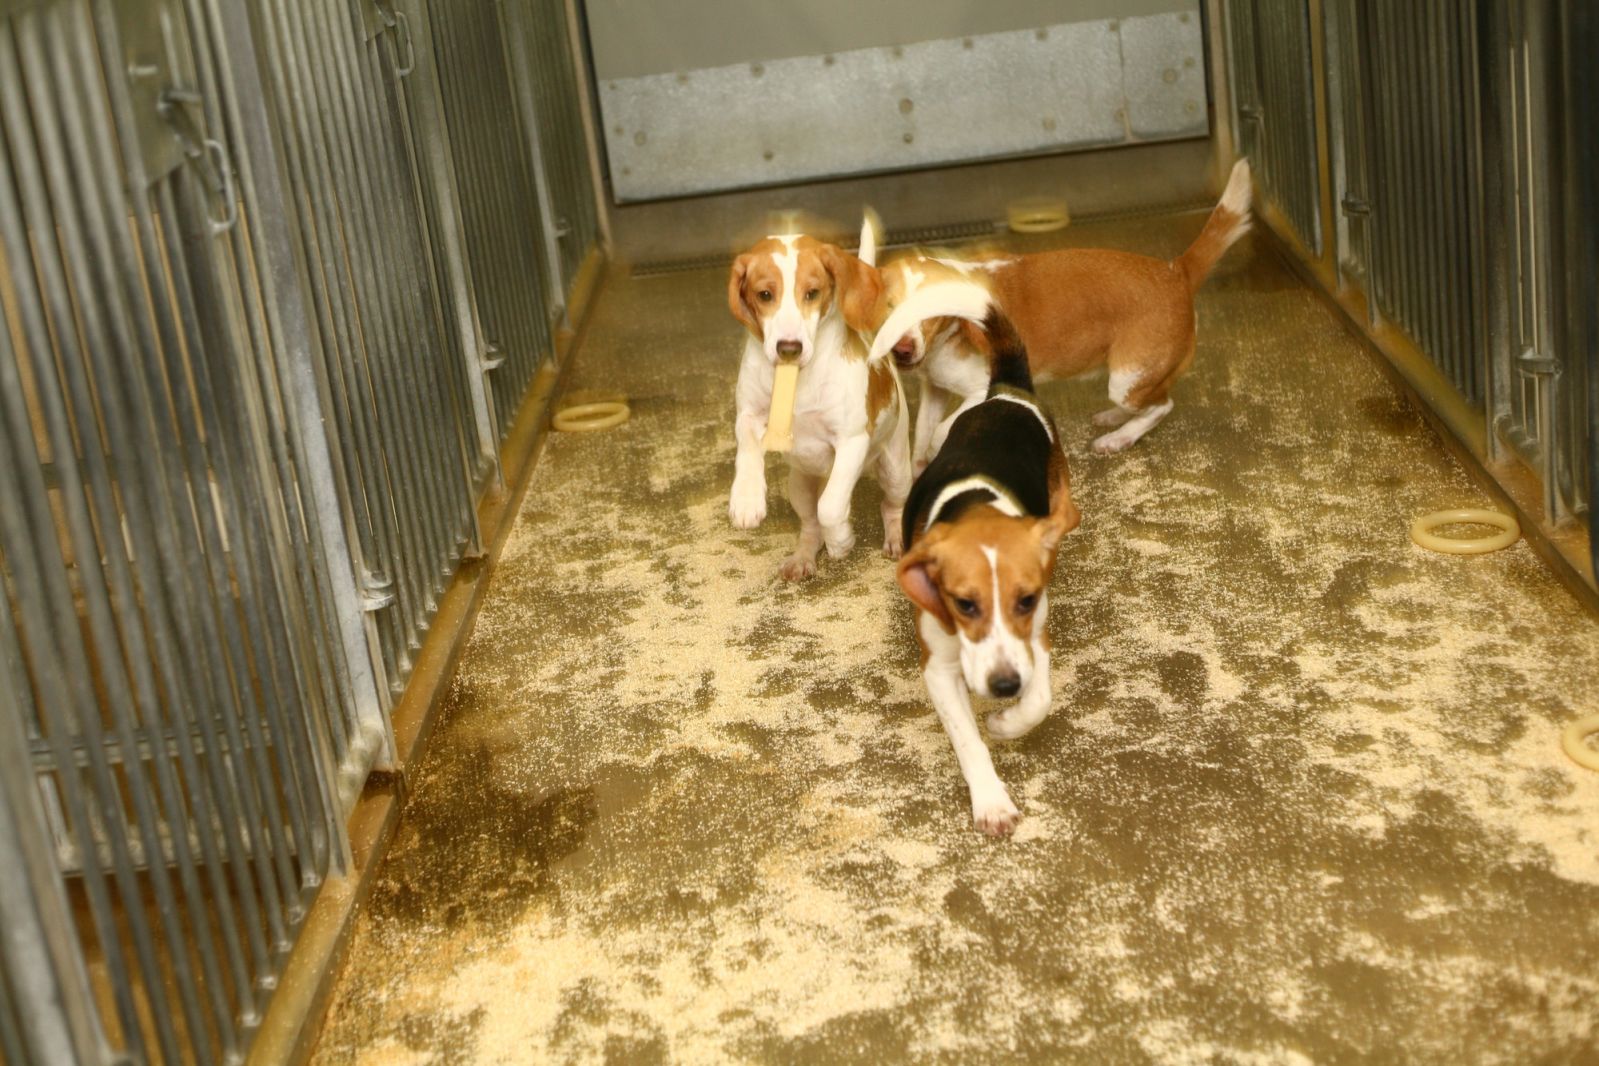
[966,607]
[765,296]
[813,294]
[1025,604]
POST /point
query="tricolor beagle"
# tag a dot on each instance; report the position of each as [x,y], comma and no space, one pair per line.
[982,526]
[807,301]
[1075,309]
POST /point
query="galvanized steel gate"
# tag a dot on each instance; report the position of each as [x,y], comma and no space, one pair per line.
[1455,148]
[276,279]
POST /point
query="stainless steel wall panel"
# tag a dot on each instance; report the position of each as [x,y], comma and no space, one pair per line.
[985,95]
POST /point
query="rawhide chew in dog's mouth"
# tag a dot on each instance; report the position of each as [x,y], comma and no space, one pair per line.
[780,421]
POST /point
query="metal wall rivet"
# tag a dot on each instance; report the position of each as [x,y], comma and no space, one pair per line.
[1183,18]
[1188,61]
[966,42]
[682,79]
[909,137]
[639,138]
[767,155]
[1049,123]
[828,61]
[905,106]
[1115,25]
[1191,106]
[620,131]
[898,51]
[1168,75]
[1042,35]
[757,70]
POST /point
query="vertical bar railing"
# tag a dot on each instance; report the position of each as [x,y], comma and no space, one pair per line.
[1275,101]
[1457,170]
[243,426]
[500,197]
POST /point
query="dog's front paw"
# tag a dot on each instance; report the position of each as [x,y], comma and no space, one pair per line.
[995,815]
[894,541]
[747,506]
[1013,722]
[798,567]
[839,540]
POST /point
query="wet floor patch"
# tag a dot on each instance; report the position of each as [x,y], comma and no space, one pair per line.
[1301,797]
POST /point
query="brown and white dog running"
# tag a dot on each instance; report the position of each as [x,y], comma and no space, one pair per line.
[1076,309]
[982,526]
[805,300]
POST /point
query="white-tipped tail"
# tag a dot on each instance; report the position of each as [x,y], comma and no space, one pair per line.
[957,299]
[871,230]
[1227,222]
[1235,197]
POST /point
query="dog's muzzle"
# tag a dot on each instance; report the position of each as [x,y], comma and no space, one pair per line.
[905,352]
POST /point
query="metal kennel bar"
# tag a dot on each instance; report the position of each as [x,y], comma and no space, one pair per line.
[243,432]
[518,288]
[538,35]
[181,721]
[397,380]
[1405,134]
[1274,99]
[1580,34]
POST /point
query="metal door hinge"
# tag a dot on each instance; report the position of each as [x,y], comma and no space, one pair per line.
[1531,363]
[377,591]
[205,155]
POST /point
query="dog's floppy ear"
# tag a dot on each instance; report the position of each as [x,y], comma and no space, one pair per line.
[735,294]
[861,297]
[1063,514]
[975,338]
[918,576]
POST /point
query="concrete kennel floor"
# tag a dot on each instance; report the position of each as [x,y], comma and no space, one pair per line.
[1301,798]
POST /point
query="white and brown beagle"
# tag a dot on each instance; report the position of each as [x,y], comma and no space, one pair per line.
[982,526]
[1076,309]
[808,301]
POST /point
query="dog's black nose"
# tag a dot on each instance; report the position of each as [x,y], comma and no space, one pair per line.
[788,348]
[1006,684]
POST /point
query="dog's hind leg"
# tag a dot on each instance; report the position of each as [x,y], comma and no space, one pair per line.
[894,475]
[1140,392]
[802,492]
[1142,421]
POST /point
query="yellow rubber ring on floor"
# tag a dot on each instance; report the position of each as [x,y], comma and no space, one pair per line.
[588,417]
[1037,215]
[1421,531]
[1572,740]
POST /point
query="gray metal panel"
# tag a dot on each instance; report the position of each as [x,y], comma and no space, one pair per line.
[1068,85]
[636,38]
[1163,73]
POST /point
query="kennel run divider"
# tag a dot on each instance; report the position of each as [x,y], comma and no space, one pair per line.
[1428,161]
[276,278]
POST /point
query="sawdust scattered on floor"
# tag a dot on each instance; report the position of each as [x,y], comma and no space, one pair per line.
[1301,798]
